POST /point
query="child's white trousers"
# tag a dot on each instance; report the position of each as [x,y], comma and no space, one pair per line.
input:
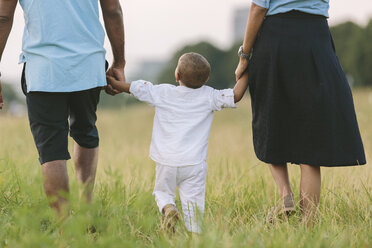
[191,185]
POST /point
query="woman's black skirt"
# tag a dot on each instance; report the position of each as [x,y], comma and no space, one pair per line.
[303,110]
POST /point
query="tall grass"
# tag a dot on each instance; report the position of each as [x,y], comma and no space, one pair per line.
[240,191]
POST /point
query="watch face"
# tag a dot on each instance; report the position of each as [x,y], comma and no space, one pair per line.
[240,52]
[243,55]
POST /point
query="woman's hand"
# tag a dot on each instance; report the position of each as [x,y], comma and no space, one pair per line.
[242,67]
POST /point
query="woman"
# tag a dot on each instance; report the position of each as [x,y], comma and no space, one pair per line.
[302,106]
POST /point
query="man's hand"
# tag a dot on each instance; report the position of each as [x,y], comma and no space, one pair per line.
[1,98]
[118,74]
[116,82]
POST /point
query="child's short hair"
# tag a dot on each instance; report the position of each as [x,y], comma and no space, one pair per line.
[193,69]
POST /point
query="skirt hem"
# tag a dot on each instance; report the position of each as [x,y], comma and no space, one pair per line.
[312,163]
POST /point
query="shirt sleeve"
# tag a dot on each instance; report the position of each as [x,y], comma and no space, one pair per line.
[143,91]
[262,3]
[222,99]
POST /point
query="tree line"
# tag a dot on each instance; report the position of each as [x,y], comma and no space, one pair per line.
[353,47]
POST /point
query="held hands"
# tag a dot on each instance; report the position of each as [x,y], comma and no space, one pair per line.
[240,87]
[241,68]
[116,82]
[115,74]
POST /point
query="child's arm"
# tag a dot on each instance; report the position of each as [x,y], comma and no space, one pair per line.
[118,85]
[142,90]
[240,87]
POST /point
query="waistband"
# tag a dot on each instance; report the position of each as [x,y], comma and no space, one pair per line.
[296,14]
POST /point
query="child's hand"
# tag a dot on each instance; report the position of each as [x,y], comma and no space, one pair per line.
[116,81]
[241,68]
[244,77]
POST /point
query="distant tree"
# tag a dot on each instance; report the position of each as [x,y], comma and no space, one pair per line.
[346,36]
[354,49]
[115,102]
[221,74]
[230,62]
[365,56]
[9,94]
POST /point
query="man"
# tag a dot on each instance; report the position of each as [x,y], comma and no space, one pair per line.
[64,70]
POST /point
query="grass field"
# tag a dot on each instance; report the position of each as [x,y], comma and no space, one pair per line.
[240,191]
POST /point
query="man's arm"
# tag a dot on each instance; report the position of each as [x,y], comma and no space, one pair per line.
[113,18]
[7,8]
[240,87]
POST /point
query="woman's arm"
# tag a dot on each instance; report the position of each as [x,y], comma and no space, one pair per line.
[256,16]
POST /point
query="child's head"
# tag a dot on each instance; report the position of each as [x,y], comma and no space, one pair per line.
[192,70]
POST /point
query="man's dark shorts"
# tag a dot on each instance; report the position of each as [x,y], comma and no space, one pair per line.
[49,115]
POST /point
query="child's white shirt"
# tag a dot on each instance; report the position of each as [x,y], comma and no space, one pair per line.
[183,119]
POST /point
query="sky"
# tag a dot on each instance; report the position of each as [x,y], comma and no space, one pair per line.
[156,29]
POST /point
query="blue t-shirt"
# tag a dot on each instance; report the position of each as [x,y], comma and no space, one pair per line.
[316,7]
[63,45]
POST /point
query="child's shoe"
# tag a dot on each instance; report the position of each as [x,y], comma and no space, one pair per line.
[170,217]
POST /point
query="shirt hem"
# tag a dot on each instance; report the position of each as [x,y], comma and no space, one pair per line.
[66,90]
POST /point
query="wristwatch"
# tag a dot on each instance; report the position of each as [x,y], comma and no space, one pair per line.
[244,55]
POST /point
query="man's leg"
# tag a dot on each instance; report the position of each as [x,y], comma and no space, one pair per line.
[83,107]
[48,116]
[56,185]
[86,160]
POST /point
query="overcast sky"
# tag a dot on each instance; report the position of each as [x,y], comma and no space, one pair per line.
[155,29]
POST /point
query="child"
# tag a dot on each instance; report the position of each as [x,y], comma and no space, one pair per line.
[182,122]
